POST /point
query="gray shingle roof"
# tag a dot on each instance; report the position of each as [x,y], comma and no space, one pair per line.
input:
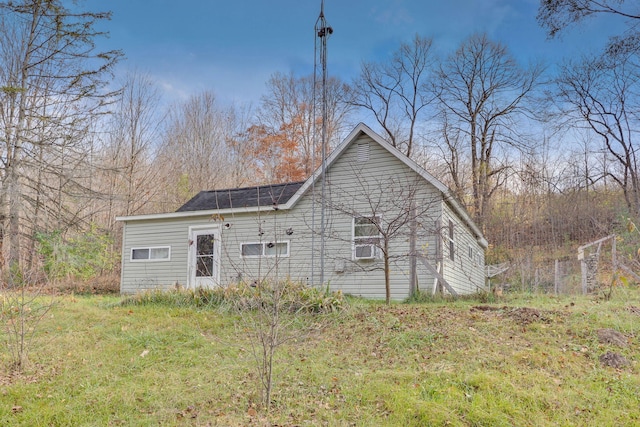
[265,195]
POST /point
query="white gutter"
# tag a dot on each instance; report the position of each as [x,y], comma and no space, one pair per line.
[189,214]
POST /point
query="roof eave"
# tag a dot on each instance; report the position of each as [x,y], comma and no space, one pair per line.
[208,212]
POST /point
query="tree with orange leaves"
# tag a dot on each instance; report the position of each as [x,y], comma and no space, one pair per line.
[275,155]
[284,145]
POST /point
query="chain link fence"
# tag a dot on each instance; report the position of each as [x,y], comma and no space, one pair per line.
[596,271]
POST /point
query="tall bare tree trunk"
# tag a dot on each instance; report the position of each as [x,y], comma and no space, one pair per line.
[49,89]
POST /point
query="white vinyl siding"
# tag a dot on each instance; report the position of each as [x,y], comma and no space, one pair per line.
[464,273]
[356,187]
[140,276]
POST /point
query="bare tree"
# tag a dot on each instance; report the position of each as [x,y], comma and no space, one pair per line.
[201,148]
[557,15]
[385,213]
[268,326]
[53,81]
[273,309]
[288,117]
[397,92]
[57,183]
[133,132]
[483,93]
[603,94]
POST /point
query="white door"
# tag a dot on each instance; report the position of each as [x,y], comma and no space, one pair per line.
[204,258]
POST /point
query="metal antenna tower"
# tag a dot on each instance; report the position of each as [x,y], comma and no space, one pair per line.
[322,31]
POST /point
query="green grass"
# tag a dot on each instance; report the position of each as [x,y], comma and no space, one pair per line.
[99,363]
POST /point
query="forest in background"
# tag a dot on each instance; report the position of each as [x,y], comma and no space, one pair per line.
[543,161]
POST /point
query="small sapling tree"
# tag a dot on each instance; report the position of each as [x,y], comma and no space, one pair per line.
[387,212]
[21,311]
[273,309]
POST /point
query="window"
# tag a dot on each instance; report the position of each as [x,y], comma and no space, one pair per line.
[478,258]
[156,253]
[366,237]
[251,249]
[451,242]
[205,255]
[264,249]
[470,252]
[276,249]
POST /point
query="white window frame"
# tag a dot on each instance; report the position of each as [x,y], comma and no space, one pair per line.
[263,249]
[150,249]
[451,240]
[372,241]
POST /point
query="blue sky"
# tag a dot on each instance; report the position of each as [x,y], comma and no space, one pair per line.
[232,47]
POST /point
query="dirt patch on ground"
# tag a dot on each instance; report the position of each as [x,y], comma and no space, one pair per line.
[9,377]
[614,360]
[526,315]
[520,315]
[488,308]
[610,336]
[103,285]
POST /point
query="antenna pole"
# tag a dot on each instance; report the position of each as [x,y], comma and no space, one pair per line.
[323,31]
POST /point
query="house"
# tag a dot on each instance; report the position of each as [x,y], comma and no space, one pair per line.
[370,211]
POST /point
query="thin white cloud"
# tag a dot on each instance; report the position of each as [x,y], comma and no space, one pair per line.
[394,13]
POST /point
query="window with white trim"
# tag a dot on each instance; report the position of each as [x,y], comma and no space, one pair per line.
[151,253]
[471,253]
[264,249]
[452,245]
[366,237]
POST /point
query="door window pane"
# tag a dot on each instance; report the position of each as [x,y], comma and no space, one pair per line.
[205,244]
[204,267]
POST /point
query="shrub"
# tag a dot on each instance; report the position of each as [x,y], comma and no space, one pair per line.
[294,297]
[81,257]
[423,297]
